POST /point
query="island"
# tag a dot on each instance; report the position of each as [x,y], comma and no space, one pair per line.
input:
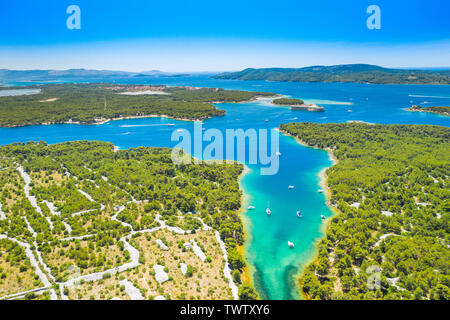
[299,105]
[390,190]
[102,102]
[443,111]
[356,73]
[288,102]
[82,220]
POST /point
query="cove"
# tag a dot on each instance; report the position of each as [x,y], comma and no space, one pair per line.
[272,264]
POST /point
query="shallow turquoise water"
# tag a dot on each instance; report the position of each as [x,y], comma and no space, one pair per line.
[272,262]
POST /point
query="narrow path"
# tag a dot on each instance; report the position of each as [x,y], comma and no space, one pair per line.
[226,268]
[114,217]
[133,292]
[27,189]
[2,214]
[384,237]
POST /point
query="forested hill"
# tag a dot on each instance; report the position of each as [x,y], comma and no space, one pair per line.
[96,103]
[391,187]
[359,73]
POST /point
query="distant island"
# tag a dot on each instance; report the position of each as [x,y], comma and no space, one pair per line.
[54,75]
[444,111]
[288,102]
[357,73]
[298,104]
[99,103]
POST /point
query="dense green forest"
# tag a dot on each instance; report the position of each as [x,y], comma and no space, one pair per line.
[288,102]
[93,103]
[391,188]
[445,111]
[79,188]
[359,73]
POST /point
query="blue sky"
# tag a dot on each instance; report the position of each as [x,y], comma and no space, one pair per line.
[222,35]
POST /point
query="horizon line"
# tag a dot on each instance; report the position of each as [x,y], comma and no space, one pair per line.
[229,70]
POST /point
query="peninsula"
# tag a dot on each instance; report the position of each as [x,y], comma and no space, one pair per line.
[98,103]
[80,220]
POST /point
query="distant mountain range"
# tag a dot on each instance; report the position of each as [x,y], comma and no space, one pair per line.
[359,73]
[52,75]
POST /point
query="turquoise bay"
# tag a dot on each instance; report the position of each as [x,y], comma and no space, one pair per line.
[272,263]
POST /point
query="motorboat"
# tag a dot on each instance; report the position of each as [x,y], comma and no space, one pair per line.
[290,244]
[299,214]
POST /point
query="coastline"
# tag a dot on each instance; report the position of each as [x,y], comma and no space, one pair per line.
[427,111]
[323,183]
[103,121]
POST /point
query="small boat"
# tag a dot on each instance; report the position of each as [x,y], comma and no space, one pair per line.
[290,244]
[299,214]
[278,153]
[127,133]
[320,191]
[170,124]
[180,130]
[349,110]
[250,207]
[268,211]
[291,187]
[322,217]
[267,120]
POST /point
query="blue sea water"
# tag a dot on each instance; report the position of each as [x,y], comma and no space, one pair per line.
[272,263]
